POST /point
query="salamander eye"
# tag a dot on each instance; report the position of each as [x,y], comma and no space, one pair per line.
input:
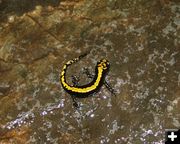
[104,65]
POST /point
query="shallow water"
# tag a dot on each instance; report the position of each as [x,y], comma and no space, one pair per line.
[141,41]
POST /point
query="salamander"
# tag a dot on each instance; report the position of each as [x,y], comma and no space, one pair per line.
[86,90]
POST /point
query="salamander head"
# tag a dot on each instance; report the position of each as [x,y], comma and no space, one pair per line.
[104,64]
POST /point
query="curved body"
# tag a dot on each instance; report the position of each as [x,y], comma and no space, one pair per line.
[101,69]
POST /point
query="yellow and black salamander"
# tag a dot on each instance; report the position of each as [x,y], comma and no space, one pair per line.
[83,91]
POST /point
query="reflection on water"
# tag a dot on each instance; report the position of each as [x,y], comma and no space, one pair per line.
[139,39]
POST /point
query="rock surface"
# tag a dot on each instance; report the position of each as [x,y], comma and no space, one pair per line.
[139,38]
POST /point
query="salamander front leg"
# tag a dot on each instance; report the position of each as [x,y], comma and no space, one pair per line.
[107,85]
[87,72]
[113,92]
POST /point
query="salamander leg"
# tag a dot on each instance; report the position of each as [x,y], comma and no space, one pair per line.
[87,72]
[75,80]
[107,85]
[75,103]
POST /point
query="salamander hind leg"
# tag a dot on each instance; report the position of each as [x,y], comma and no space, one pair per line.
[75,80]
[75,103]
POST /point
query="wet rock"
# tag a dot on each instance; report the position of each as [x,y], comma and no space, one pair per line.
[4,66]
[4,88]
[19,135]
[140,39]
